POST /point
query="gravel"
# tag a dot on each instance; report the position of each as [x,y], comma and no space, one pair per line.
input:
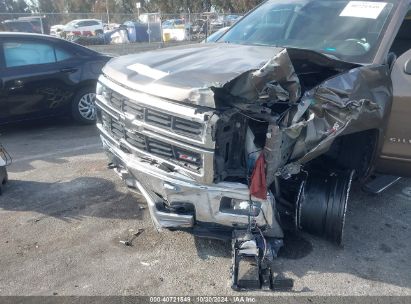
[64,215]
[65,218]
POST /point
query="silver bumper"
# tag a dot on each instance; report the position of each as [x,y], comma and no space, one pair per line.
[159,186]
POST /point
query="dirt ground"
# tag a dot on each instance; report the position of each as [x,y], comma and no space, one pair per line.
[64,214]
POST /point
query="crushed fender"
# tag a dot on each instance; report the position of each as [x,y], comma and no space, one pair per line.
[292,122]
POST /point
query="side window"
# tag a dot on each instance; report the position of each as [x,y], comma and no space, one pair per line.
[27,53]
[402,41]
[62,55]
[91,23]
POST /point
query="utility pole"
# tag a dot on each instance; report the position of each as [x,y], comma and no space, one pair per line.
[107,12]
[41,20]
[138,5]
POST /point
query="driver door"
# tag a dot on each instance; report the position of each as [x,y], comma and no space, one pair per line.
[395,158]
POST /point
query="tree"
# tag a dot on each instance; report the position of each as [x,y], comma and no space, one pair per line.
[199,6]
[2,6]
[236,6]
[14,6]
[126,6]
[51,6]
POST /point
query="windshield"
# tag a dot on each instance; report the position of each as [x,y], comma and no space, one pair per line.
[348,30]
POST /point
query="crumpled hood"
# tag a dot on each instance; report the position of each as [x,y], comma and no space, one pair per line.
[187,73]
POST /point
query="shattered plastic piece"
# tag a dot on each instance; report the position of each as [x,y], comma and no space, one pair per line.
[129,242]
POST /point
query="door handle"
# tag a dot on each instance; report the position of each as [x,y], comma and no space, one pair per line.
[69,70]
[18,84]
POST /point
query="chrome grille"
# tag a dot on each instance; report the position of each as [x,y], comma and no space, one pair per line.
[114,127]
[136,140]
[116,100]
[133,109]
[183,125]
[159,118]
[153,117]
[189,159]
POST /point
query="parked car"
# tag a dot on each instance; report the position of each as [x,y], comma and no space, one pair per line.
[43,76]
[217,23]
[175,30]
[267,128]
[56,30]
[40,24]
[110,26]
[17,26]
[229,20]
[173,24]
[84,27]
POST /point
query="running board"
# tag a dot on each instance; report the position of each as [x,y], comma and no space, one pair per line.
[380,184]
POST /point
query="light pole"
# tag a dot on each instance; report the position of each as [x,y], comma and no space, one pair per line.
[107,12]
[138,5]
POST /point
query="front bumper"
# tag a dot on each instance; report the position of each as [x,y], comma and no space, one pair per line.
[163,188]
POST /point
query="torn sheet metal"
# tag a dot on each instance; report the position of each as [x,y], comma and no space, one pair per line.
[351,102]
[276,80]
[272,152]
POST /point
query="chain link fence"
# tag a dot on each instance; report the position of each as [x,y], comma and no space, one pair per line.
[106,28]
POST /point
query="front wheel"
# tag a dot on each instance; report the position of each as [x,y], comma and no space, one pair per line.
[83,107]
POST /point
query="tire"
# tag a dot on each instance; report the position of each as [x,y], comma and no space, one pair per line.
[83,108]
[322,207]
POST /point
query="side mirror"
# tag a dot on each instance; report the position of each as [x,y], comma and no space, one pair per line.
[407,67]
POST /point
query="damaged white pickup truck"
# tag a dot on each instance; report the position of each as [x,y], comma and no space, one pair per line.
[267,128]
